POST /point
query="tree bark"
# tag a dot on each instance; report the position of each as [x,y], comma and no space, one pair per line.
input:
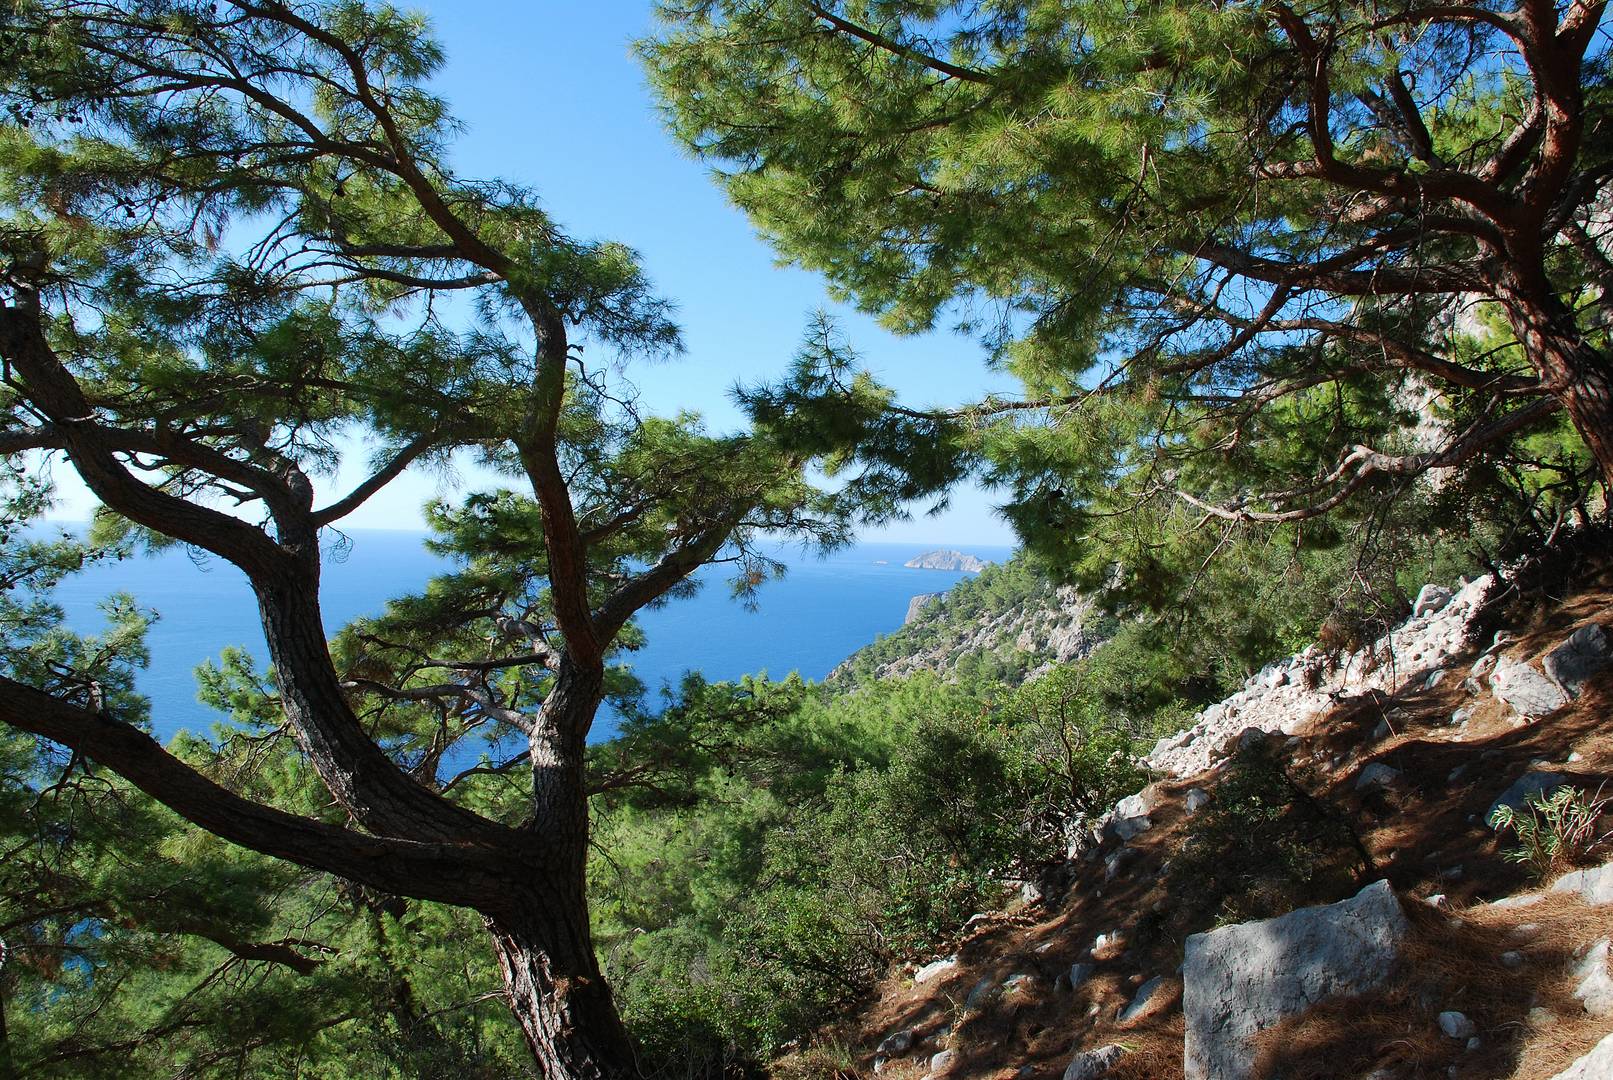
[1585,387]
[1571,369]
[542,937]
[545,953]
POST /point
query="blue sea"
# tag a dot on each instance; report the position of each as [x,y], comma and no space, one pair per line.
[820,612]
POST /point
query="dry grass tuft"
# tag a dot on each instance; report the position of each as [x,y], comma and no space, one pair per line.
[1154,1054]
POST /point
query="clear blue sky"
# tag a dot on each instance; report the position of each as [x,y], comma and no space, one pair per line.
[551,96]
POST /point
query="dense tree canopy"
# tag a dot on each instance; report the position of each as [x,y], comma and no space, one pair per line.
[1250,259]
[229,240]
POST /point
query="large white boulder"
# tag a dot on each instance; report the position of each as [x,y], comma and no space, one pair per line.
[1240,980]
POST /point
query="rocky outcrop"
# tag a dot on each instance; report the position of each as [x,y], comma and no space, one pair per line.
[947,560]
[916,606]
[1286,695]
[1240,980]
[1010,619]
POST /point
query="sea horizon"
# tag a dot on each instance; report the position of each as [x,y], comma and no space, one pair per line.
[822,610]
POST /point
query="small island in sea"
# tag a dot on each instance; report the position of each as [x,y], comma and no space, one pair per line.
[947,560]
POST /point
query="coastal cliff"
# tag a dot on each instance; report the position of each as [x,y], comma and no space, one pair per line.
[1008,623]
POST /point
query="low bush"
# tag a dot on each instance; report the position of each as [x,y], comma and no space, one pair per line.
[1263,847]
[1555,832]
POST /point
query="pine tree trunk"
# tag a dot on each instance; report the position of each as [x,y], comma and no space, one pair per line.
[1587,394]
[546,955]
[542,938]
[1572,370]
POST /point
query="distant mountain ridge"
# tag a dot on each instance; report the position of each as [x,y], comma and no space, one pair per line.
[944,559]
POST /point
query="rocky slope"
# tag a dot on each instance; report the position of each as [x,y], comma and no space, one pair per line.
[1429,955]
[1008,618]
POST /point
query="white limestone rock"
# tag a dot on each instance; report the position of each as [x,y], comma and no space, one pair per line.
[1595,987]
[1430,599]
[1596,1065]
[1595,886]
[896,1043]
[1240,980]
[1526,690]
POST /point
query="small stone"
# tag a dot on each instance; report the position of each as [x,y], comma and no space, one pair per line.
[1482,665]
[1080,973]
[1129,828]
[1455,1025]
[896,1043]
[1474,1043]
[1461,716]
[942,1060]
[1512,958]
[1451,873]
[1196,799]
[1118,861]
[1018,983]
[938,967]
[1434,679]
[1382,731]
[1111,940]
[1377,775]
[881,1063]
[979,992]
[1430,598]
[1435,900]
[1146,993]
[1092,1064]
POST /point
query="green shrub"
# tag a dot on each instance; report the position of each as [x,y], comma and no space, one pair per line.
[1555,832]
[1263,847]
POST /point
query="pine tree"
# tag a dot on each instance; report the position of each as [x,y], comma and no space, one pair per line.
[1253,259]
[228,238]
